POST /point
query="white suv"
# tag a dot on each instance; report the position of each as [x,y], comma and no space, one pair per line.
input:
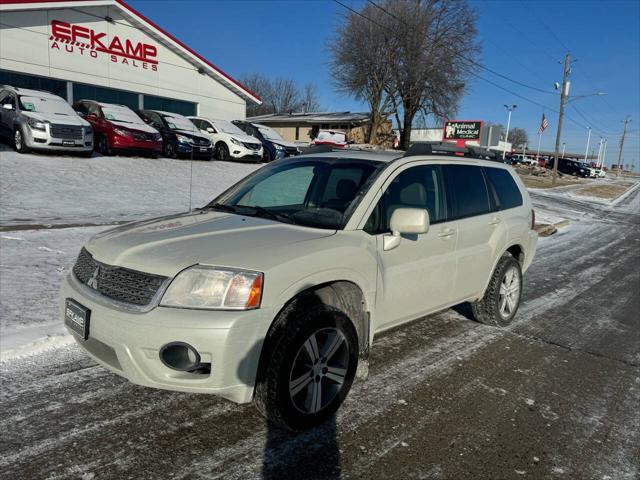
[274,291]
[229,142]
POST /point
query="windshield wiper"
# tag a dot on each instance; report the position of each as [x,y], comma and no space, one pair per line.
[220,207]
[264,213]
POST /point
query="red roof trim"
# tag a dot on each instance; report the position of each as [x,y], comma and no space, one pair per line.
[160,29]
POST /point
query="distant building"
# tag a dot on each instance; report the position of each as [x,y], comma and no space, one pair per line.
[299,127]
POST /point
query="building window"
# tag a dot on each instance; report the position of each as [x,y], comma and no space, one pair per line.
[169,105]
[21,80]
[82,91]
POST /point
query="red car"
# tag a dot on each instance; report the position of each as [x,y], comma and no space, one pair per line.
[117,127]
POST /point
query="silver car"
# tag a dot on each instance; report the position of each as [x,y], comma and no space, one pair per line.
[37,120]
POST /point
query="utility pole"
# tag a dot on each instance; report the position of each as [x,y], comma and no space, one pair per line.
[604,152]
[599,152]
[564,93]
[586,152]
[624,134]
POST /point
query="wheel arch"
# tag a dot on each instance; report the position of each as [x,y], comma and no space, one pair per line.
[516,250]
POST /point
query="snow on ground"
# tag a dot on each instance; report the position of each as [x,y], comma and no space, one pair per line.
[63,189]
[32,266]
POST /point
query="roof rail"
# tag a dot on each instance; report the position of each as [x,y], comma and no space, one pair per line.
[448,148]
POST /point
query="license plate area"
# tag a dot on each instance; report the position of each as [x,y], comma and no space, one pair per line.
[203,149]
[77,318]
[68,143]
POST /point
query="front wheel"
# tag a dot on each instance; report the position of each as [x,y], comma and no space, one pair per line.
[308,370]
[18,141]
[221,152]
[169,150]
[502,297]
[103,146]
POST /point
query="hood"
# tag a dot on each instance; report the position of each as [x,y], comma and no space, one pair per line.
[140,127]
[244,138]
[58,119]
[167,245]
[284,143]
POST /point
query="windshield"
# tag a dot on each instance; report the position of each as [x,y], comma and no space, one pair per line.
[270,133]
[45,105]
[314,193]
[178,123]
[121,115]
[227,127]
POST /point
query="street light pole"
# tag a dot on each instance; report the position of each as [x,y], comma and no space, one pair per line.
[563,99]
[506,136]
[586,152]
[624,134]
[604,152]
[599,152]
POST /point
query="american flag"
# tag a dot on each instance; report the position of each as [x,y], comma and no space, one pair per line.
[543,125]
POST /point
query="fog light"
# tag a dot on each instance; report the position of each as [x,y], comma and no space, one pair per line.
[180,356]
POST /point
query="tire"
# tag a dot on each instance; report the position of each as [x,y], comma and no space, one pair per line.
[221,152]
[18,141]
[103,146]
[292,405]
[266,156]
[497,308]
[169,150]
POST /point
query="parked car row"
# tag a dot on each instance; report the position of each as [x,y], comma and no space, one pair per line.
[37,120]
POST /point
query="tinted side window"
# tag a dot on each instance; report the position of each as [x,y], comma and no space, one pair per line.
[416,187]
[506,189]
[467,189]
[198,123]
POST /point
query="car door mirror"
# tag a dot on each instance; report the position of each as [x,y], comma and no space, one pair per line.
[406,221]
[7,106]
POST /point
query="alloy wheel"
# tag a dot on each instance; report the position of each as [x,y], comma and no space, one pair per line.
[319,370]
[509,295]
[17,138]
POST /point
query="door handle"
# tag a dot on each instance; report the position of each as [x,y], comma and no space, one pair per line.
[494,221]
[446,233]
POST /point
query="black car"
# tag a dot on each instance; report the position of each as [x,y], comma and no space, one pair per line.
[180,137]
[274,147]
[570,167]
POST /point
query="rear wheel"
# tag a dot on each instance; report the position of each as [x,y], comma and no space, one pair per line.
[18,141]
[502,297]
[308,369]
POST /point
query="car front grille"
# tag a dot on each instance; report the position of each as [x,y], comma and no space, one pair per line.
[117,283]
[252,146]
[291,150]
[69,132]
[201,142]
[144,136]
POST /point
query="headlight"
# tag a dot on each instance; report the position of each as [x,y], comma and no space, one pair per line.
[237,142]
[157,137]
[87,130]
[36,124]
[278,147]
[182,138]
[122,132]
[214,288]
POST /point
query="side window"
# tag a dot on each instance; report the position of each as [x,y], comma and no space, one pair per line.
[154,119]
[4,98]
[505,187]
[467,189]
[416,187]
[198,123]
[93,109]
[8,98]
[80,108]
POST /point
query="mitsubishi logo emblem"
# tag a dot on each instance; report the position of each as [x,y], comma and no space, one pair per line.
[93,281]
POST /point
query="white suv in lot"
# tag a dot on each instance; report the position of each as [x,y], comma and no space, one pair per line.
[273,292]
[229,142]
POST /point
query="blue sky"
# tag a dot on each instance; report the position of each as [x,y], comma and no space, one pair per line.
[522,39]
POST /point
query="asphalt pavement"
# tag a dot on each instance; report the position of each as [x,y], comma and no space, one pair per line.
[555,395]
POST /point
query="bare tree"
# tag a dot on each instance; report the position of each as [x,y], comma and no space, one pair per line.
[407,57]
[361,63]
[280,95]
[518,137]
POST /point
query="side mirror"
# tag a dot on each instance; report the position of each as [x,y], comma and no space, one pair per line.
[7,106]
[210,130]
[406,221]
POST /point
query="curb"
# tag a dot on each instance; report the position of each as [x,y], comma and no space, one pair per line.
[548,229]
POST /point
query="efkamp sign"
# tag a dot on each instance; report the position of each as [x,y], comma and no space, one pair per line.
[462,130]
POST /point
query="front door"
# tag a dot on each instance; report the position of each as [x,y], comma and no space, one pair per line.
[417,276]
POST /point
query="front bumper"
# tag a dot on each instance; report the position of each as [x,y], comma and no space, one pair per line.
[123,143]
[43,140]
[128,343]
[187,149]
[242,153]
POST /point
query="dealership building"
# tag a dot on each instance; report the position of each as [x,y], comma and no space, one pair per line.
[105,50]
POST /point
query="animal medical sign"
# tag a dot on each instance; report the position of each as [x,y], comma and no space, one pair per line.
[462,130]
[84,41]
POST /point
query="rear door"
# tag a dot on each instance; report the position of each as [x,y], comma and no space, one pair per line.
[479,225]
[416,277]
[7,116]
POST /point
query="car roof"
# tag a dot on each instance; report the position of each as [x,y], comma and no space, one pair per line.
[161,112]
[31,93]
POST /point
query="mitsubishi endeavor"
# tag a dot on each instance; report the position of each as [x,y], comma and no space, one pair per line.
[274,291]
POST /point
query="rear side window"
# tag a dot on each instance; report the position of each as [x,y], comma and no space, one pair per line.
[467,189]
[505,187]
